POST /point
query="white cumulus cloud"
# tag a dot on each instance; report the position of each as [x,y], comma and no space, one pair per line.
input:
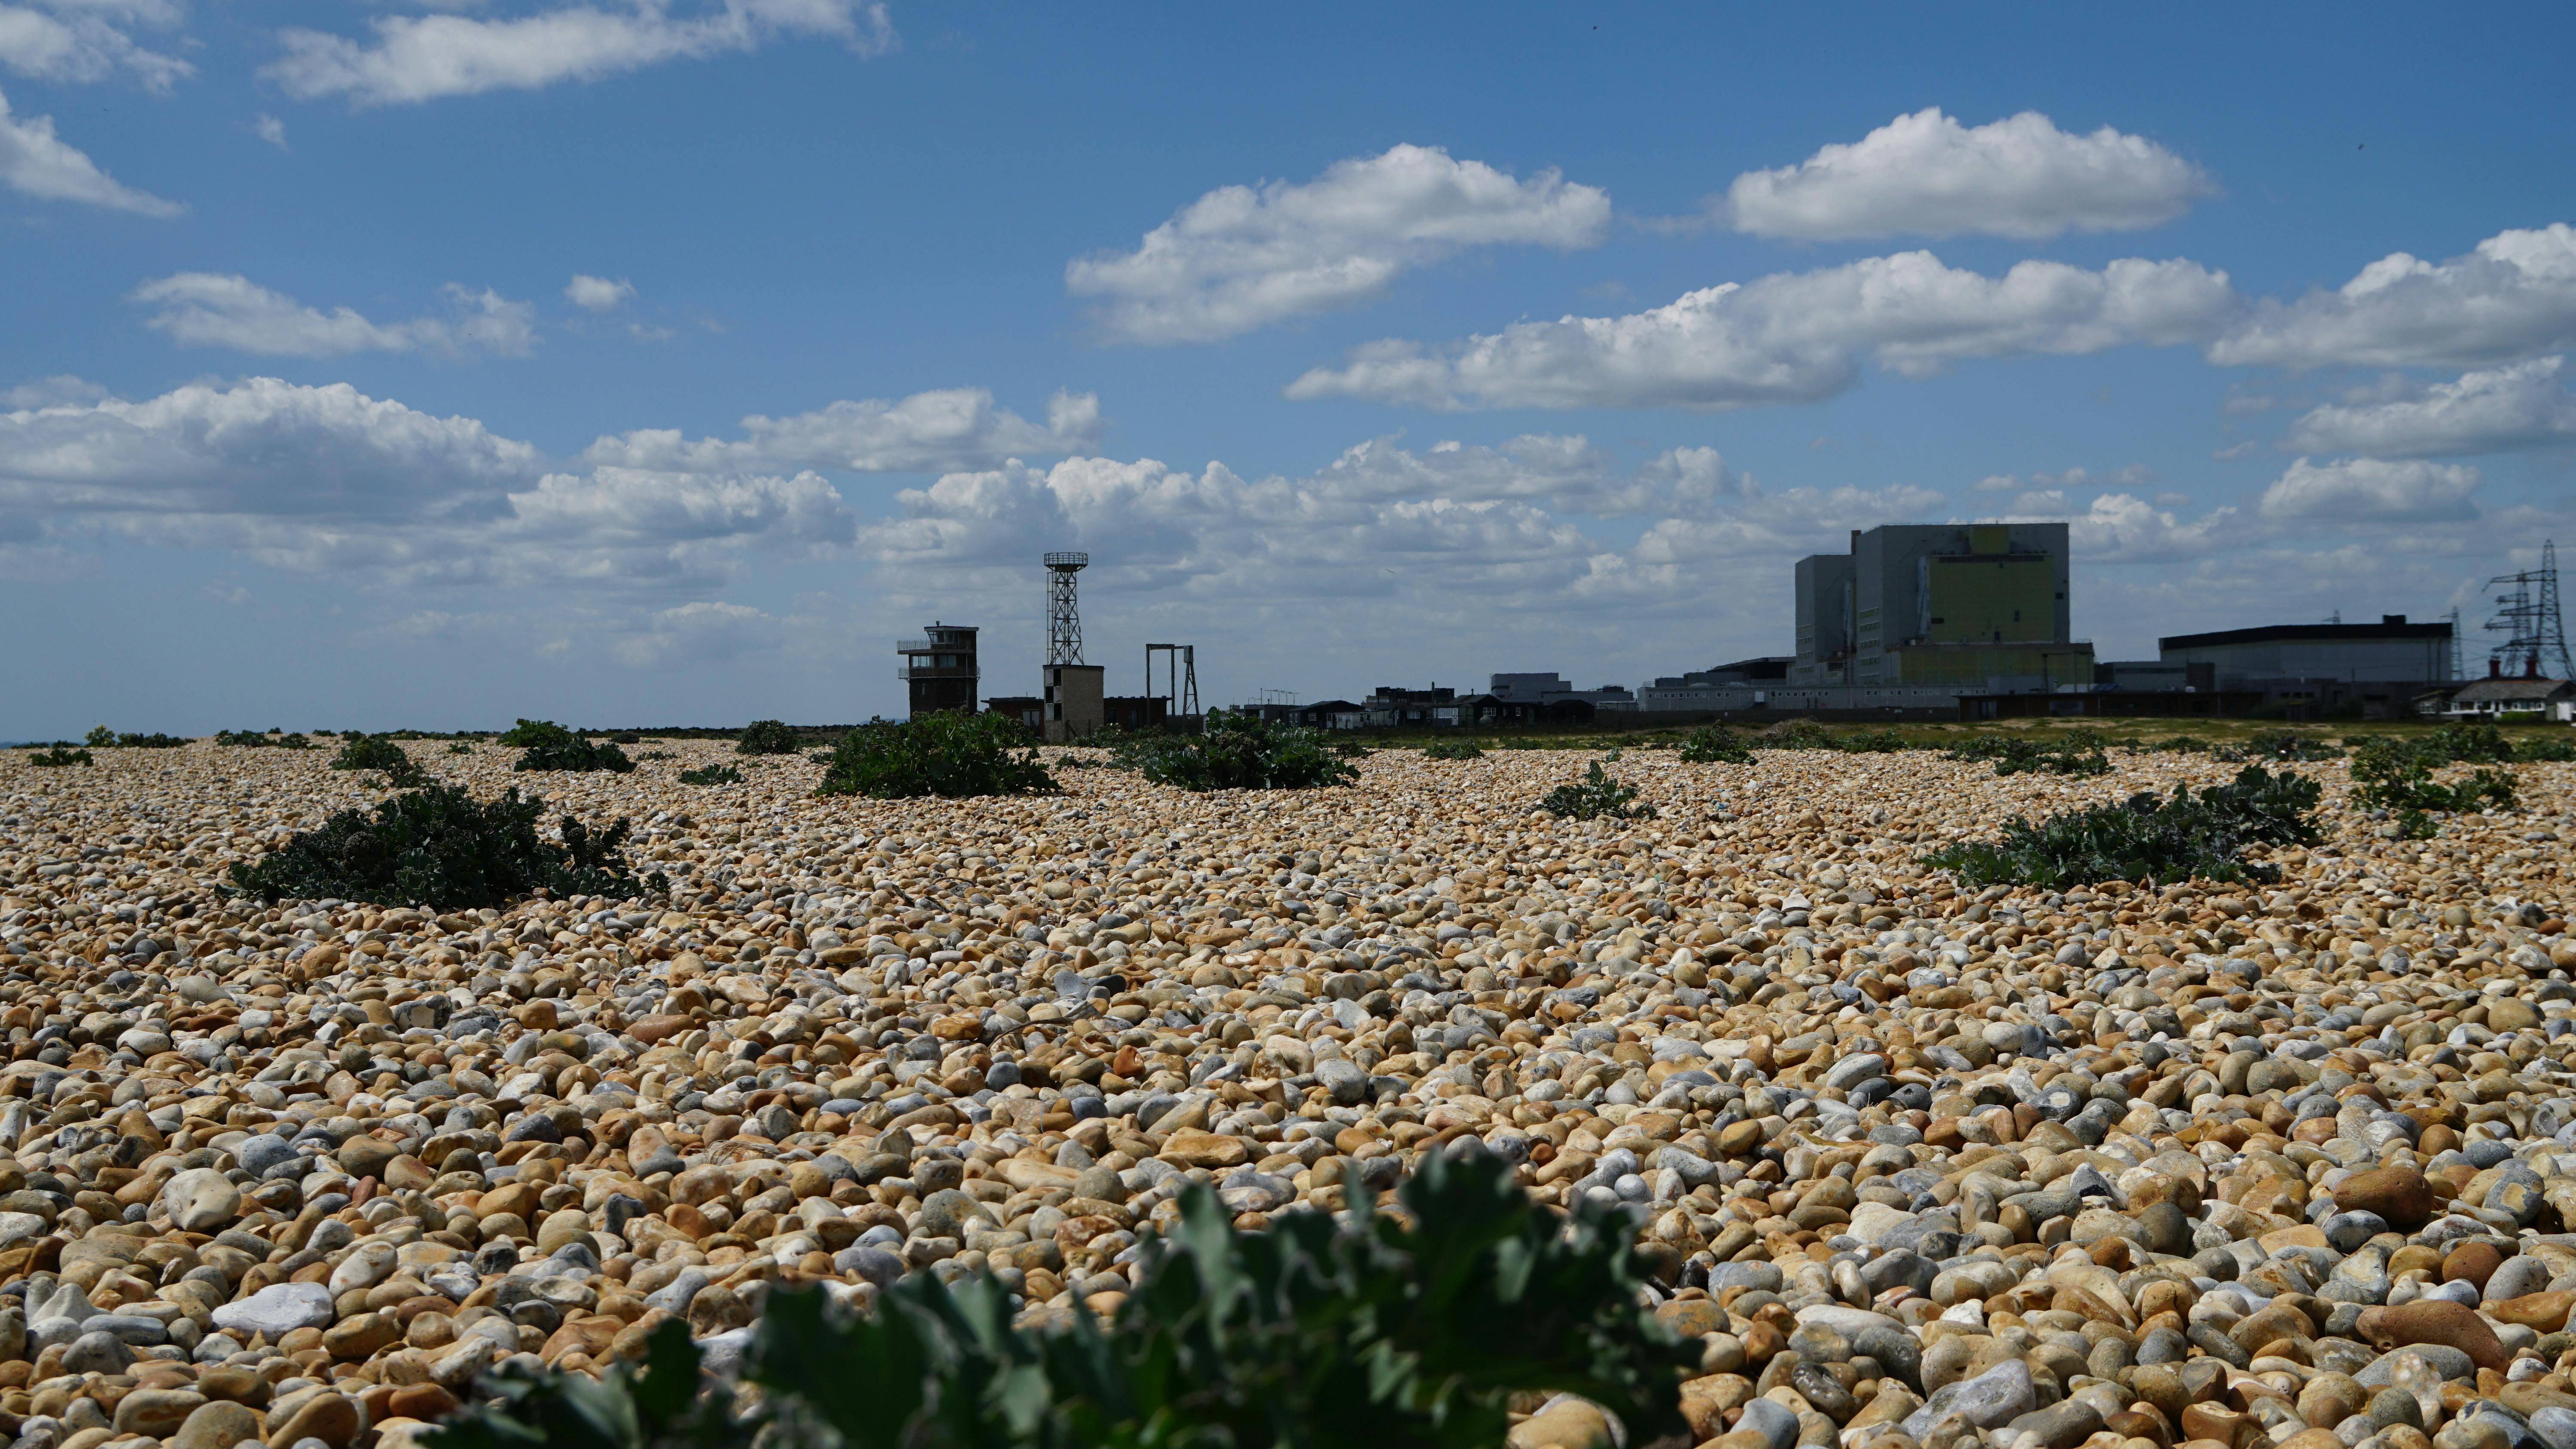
[1242,257]
[2123,528]
[423,57]
[2371,490]
[927,432]
[89,40]
[597,294]
[270,129]
[1927,175]
[324,479]
[1793,337]
[2500,410]
[262,447]
[36,162]
[208,309]
[2513,296]
[2131,476]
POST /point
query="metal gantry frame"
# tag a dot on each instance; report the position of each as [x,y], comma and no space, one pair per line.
[2527,613]
[1180,677]
[1064,617]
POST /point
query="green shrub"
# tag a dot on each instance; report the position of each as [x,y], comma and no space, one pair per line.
[1411,1332]
[460,747]
[1453,750]
[766,737]
[2288,745]
[2468,744]
[1238,750]
[1873,742]
[1795,734]
[103,738]
[2556,750]
[2146,839]
[1352,750]
[712,775]
[438,846]
[552,747]
[2019,755]
[60,755]
[1596,796]
[375,752]
[260,739]
[1714,745]
[953,756]
[2397,776]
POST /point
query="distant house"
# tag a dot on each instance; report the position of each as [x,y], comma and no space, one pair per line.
[1136,711]
[1331,714]
[1392,706]
[2488,699]
[1027,709]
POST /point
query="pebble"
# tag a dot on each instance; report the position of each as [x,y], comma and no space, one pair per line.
[1918,1164]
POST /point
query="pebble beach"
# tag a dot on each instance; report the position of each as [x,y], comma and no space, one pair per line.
[1921,1167]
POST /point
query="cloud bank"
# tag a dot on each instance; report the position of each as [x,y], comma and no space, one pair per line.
[207,309]
[1927,175]
[1243,257]
[1793,337]
[417,58]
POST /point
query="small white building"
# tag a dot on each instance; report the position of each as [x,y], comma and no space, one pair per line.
[2489,699]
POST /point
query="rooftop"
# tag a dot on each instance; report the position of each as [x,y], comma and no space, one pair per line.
[2390,626]
[2503,689]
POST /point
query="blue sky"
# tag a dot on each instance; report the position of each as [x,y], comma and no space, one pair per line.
[372,365]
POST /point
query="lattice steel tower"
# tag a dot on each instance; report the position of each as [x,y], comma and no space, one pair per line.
[2527,613]
[1064,619]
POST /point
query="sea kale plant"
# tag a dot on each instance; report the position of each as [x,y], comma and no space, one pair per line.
[103,738]
[1238,750]
[1405,1331]
[1714,745]
[1594,797]
[377,752]
[2148,839]
[951,755]
[438,846]
[766,737]
[261,739]
[2015,755]
[2396,775]
[550,746]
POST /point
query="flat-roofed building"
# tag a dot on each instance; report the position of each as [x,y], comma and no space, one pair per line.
[940,669]
[1973,606]
[2392,651]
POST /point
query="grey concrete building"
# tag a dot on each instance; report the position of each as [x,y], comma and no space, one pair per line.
[1980,606]
[2391,651]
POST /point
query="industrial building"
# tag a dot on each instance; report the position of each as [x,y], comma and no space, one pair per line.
[1553,688]
[1977,607]
[940,669]
[2391,651]
[1718,687]
[1075,705]
[2375,670]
